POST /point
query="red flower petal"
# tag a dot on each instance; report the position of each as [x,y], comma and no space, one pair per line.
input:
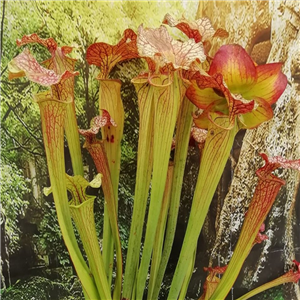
[107,56]
[236,66]
[270,84]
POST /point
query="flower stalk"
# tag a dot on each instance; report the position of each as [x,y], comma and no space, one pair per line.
[82,212]
[143,176]
[110,100]
[60,63]
[160,233]
[215,154]
[183,129]
[168,96]
[290,276]
[264,196]
[96,149]
[53,117]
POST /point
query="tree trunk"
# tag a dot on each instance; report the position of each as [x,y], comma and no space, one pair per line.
[269,31]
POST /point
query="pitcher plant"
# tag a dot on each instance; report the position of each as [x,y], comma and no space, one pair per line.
[184,93]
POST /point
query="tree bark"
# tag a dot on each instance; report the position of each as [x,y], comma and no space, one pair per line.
[269,31]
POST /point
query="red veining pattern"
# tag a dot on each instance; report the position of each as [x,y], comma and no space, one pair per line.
[200,30]
[235,107]
[211,280]
[60,68]
[234,86]
[185,28]
[53,117]
[284,163]
[77,187]
[60,63]
[157,44]
[97,123]
[34,72]
[271,82]
[236,66]
[264,196]
[34,38]
[107,56]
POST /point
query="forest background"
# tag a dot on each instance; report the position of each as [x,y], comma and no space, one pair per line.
[32,251]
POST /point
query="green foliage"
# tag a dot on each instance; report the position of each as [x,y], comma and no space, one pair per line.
[50,238]
[39,288]
[14,187]
[275,293]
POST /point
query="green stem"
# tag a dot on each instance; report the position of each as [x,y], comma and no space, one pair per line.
[64,91]
[143,177]
[260,205]
[107,244]
[160,232]
[110,100]
[215,154]
[167,100]
[278,281]
[97,151]
[83,216]
[182,140]
[187,278]
[72,136]
[53,116]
